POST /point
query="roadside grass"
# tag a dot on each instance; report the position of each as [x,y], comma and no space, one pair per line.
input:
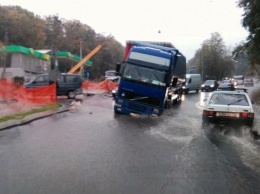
[26,113]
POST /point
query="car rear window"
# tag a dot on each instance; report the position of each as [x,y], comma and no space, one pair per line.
[229,99]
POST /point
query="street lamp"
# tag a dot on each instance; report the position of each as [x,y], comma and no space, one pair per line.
[202,62]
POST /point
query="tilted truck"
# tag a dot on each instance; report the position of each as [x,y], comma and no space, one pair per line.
[151,78]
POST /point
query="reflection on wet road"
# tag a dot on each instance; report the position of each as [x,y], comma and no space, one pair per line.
[91,150]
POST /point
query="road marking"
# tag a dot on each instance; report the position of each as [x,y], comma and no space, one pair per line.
[198,105]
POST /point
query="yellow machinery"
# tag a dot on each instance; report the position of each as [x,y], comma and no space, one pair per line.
[85,59]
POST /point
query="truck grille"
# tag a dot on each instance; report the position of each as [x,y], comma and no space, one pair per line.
[137,99]
[137,107]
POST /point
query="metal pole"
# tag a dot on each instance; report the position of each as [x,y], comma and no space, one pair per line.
[202,64]
[5,54]
[80,55]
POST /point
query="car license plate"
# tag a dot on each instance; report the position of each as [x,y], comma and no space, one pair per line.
[227,114]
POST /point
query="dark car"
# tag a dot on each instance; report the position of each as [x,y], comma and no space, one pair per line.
[226,86]
[209,85]
[67,84]
[249,82]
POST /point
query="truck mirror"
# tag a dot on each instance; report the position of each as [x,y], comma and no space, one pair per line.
[174,81]
[118,66]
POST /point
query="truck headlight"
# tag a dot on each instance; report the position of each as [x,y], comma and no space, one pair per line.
[155,111]
[114,92]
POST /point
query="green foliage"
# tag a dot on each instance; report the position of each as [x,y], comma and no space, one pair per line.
[251,21]
[29,30]
[23,27]
[214,58]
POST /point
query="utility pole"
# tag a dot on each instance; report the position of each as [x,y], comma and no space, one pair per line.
[202,63]
[80,55]
[54,62]
[5,53]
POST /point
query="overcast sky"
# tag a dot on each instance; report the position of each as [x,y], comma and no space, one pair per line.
[184,23]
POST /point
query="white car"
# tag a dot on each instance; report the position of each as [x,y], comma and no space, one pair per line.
[227,106]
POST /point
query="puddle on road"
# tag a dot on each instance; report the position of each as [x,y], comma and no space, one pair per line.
[238,139]
[180,129]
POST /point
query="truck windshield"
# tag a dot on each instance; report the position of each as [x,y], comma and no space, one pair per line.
[143,74]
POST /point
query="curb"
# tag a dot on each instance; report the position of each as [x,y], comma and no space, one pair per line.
[30,118]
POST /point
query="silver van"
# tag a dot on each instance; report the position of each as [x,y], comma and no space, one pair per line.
[192,83]
[67,84]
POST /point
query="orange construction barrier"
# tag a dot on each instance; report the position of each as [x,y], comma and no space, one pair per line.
[100,87]
[13,94]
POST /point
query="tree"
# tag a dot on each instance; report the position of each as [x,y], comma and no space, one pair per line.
[251,21]
[213,58]
[24,28]
[29,30]
[54,31]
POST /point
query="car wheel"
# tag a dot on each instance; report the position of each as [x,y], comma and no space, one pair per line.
[71,95]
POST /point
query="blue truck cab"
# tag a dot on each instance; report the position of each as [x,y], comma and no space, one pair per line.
[151,78]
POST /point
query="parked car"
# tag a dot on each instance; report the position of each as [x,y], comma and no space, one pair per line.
[248,82]
[226,86]
[67,84]
[227,106]
[209,85]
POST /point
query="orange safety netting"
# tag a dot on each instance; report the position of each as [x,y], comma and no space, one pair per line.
[104,86]
[11,92]
[15,95]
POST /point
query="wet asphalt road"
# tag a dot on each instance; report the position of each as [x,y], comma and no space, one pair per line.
[91,150]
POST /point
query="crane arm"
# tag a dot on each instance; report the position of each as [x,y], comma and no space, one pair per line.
[86,58]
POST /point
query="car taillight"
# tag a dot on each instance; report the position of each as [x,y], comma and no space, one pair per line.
[208,113]
[245,114]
